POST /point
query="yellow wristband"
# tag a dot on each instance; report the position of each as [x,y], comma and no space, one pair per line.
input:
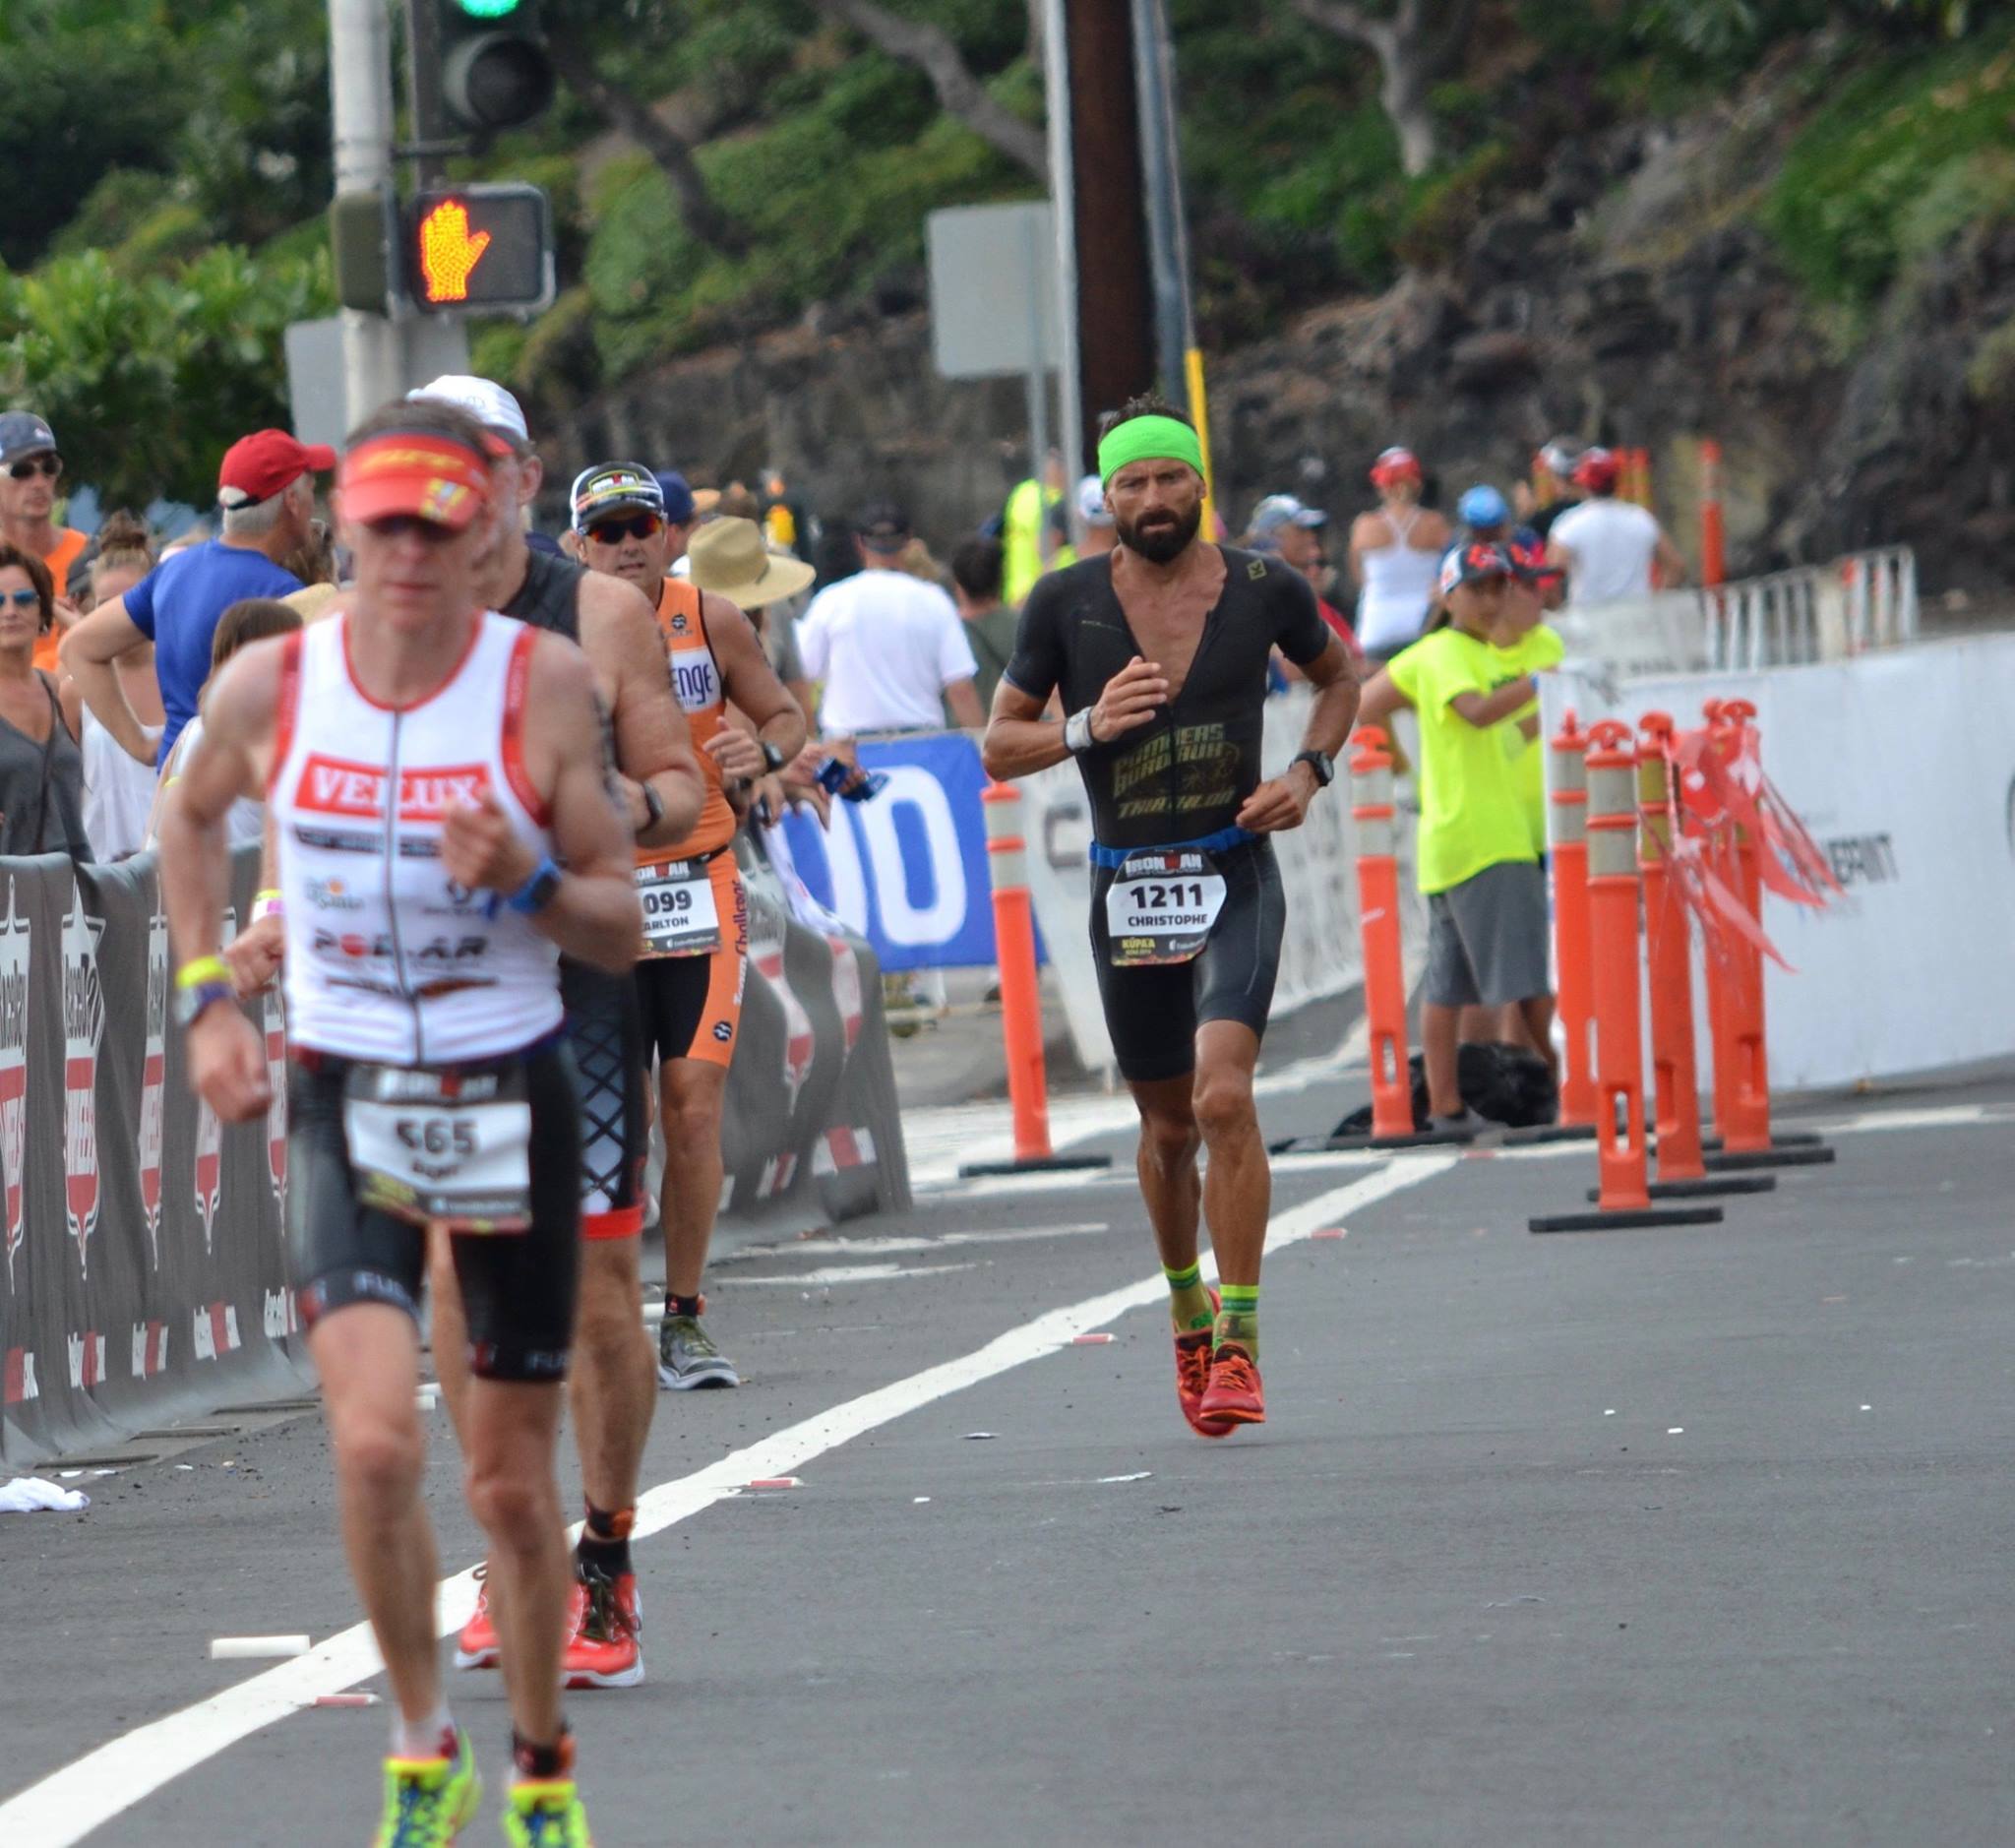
[199,970]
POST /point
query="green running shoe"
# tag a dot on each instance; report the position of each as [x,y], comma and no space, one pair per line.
[428,1800]
[546,1814]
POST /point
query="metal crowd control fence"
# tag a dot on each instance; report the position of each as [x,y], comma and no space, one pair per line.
[1814,613]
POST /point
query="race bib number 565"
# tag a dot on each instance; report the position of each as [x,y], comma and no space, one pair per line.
[429,1145]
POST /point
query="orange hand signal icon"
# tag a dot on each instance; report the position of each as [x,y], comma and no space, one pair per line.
[449,255]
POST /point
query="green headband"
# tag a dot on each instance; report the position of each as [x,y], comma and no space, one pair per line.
[1141,438]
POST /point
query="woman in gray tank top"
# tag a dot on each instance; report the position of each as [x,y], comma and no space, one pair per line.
[41,766]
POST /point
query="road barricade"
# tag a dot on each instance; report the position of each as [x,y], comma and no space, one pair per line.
[145,1272]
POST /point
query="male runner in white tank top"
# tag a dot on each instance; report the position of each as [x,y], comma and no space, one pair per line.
[429,768]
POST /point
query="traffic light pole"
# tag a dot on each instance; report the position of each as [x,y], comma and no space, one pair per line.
[423,98]
[360,82]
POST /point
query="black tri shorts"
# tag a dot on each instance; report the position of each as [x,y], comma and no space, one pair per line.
[1153,1012]
[518,1288]
[606,1037]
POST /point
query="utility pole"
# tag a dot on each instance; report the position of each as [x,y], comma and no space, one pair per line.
[360,83]
[1115,308]
[1167,239]
[1063,216]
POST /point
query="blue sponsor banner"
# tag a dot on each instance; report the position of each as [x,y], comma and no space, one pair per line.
[908,869]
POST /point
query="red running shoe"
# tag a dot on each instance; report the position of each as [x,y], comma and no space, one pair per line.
[476,1646]
[605,1646]
[1236,1394]
[1192,1378]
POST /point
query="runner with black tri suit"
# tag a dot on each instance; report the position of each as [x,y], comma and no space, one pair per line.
[1159,650]
[659,785]
[695,966]
[434,774]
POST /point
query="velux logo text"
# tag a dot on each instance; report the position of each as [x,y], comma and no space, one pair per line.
[331,785]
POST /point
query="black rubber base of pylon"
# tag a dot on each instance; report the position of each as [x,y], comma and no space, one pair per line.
[1779,1139]
[1625,1220]
[1043,1164]
[1549,1133]
[1734,1160]
[1707,1189]
[1417,1139]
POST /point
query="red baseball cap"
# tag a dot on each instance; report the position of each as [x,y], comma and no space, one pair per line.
[257,466]
[414,473]
[1597,469]
[1396,464]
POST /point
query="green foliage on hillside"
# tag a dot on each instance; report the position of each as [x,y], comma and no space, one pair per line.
[170,161]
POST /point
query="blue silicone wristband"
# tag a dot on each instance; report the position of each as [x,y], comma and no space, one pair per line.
[535,895]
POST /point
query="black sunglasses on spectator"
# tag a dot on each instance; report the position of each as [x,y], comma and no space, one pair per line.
[44,465]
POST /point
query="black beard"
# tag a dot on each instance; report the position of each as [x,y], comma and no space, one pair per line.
[1161,543]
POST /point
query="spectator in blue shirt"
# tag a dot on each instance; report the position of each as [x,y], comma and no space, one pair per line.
[265,491]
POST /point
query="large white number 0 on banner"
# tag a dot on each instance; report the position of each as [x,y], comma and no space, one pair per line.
[902,922]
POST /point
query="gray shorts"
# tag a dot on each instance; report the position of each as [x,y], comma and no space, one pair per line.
[1486,938]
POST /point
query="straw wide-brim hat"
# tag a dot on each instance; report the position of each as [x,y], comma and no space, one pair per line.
[732,557]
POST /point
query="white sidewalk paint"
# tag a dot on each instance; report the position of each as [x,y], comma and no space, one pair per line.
[64,1807]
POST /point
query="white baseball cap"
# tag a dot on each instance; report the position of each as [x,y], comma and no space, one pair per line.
[1091,501]
[487,401]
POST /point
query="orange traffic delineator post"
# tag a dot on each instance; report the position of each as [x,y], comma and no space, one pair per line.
[1669,976]
[1021,1008]
[1377,854]
[1713,538]
[1613,899]
[1742,1078]
[1567,813]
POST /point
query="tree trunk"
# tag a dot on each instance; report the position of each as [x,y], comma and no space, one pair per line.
[631,116]
[1412,53]
[959,93]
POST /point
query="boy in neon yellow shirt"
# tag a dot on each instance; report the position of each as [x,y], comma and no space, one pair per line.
[1479,867]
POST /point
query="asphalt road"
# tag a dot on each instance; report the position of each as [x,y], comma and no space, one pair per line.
[1679,1536]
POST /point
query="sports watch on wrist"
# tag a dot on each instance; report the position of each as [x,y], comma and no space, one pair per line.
[197,999]
[538,890]
[1323,764]
[771,756]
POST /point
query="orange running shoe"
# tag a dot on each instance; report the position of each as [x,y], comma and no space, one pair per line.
[1236,1394]
[1192,1378]
[476,1646]
[605,1646]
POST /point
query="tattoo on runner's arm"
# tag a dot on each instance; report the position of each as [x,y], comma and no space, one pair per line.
[612,778]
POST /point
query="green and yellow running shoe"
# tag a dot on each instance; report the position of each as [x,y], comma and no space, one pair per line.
[428,1800]
[546,1814]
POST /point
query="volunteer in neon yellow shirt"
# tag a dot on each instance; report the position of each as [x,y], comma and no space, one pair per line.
[1021,533]
[1478,866]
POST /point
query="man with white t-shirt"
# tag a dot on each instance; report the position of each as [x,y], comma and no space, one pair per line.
[889,648]
[1613,551]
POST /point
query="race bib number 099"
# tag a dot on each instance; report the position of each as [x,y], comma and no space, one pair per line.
[680,916]
[1161,907]
[435,1145]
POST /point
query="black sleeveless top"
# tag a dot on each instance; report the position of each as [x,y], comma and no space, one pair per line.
[41,787]
[1185,775]
[550,595]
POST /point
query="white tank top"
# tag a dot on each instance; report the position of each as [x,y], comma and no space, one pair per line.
[118,794]
[1398,584]
[388,959]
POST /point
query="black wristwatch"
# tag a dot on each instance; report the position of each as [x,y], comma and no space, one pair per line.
[771,756]
[653,808]
[1323,764]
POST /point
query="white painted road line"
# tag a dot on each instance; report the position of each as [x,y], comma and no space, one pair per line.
[70,1803]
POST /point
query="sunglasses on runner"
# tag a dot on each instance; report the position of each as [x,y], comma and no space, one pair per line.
[398,526]
[22,599]
[615,532]
[44,465]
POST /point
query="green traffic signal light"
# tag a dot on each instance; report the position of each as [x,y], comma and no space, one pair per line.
[487,9]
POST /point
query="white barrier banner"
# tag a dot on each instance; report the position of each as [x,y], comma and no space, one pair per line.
[1902,764]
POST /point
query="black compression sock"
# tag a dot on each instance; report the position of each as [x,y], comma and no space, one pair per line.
[604,1543]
